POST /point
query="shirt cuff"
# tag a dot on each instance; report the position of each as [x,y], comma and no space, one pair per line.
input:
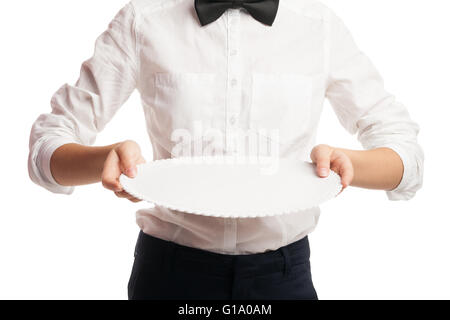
[404,191]
[43,164]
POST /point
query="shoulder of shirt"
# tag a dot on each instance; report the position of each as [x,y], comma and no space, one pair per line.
[313,9]
[151,6]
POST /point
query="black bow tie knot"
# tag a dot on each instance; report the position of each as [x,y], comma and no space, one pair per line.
[264,11]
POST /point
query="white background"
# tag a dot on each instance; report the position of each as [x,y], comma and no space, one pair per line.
[81,246]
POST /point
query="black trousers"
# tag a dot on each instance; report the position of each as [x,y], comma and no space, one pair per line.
[163,270]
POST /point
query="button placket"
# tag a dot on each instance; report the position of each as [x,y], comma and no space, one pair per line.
[233,76]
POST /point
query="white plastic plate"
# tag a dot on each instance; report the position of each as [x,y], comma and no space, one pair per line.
[225,187]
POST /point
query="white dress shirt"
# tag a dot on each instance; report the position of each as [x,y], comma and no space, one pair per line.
[235,73]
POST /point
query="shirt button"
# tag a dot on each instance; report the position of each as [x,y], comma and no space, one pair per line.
[233,52]
[232,120]
[234,82]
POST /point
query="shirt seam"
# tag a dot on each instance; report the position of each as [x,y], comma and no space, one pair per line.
[137,46]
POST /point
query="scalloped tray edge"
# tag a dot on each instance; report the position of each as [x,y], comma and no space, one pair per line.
[213,213]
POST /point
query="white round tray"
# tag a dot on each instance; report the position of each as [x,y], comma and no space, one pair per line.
[232,187]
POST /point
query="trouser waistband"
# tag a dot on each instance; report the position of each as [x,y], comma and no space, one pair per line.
[149,247]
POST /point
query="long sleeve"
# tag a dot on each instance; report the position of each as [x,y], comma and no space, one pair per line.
[362,105]
[81,111]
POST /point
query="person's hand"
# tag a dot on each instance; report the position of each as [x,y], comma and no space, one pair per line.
[121,159]
[326,158]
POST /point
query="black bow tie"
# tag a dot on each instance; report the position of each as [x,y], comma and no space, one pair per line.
[264,11]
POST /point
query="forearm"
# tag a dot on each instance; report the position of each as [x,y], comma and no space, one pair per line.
[74,164]
[380,168]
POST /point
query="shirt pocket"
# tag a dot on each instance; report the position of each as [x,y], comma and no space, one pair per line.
[184,100]
[281,102]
